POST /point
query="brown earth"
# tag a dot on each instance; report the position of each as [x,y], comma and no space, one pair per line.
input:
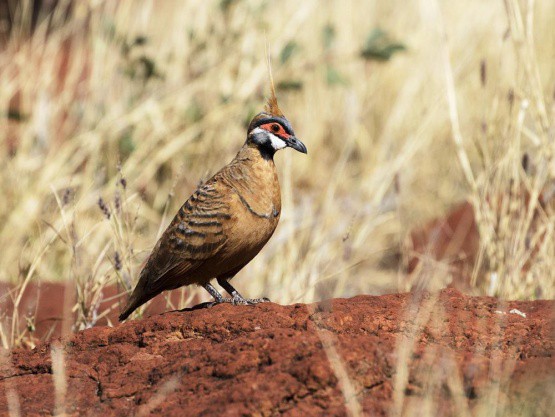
[453,241]
[461,354]
[46,309]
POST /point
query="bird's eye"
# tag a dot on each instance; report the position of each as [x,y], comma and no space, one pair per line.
[275,128]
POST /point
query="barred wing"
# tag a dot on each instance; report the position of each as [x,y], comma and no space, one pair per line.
[195,235]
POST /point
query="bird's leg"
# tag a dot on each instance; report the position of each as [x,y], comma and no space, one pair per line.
[236,298]
[214,293]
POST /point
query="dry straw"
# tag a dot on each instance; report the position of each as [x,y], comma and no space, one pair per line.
[113,118]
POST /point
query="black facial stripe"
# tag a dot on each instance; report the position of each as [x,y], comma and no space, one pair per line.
[283,122]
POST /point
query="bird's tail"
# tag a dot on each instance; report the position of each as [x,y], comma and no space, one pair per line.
[129,308]
[136,300]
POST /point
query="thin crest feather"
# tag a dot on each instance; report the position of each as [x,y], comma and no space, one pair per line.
[272,106]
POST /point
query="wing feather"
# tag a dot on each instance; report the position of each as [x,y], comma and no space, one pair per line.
[195,235]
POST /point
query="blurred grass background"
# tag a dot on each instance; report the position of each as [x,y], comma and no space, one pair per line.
[113,111]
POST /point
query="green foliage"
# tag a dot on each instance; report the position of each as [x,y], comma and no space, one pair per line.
[380,47]
[194,112]
[333,77]
[139,66]
[225,5]
[127,47]
[290,85]
[126,144]
[16,115]
[328,36]
[288,50]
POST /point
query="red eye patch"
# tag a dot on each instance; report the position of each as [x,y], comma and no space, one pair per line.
[276,129]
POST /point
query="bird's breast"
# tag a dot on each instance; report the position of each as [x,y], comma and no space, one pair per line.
[256,208]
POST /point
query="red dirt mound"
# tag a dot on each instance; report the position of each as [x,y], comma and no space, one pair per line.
[429,354]
[48,307]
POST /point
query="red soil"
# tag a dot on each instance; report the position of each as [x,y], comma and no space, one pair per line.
[270,360]
[48,308]
[454,242]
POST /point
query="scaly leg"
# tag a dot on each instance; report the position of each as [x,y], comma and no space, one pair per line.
[236,298]
[214,293]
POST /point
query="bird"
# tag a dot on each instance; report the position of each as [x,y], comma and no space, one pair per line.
[226,222]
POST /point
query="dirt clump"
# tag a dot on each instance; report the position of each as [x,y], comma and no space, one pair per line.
[375,354]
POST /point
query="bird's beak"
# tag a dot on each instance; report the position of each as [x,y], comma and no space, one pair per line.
[296,144]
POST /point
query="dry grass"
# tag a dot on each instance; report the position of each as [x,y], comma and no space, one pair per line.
[368,127]
[156,95]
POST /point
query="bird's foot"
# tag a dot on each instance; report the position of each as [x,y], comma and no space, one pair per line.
[238,300]
[258,300]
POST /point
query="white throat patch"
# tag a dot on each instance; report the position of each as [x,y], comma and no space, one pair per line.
[277,143]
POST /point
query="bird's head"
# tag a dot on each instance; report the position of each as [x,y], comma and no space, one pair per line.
[270,131]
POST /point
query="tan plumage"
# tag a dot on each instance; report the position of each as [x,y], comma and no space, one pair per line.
[226,221]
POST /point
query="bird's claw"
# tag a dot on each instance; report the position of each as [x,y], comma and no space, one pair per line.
[259,300]
[252,301]
[238,300]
